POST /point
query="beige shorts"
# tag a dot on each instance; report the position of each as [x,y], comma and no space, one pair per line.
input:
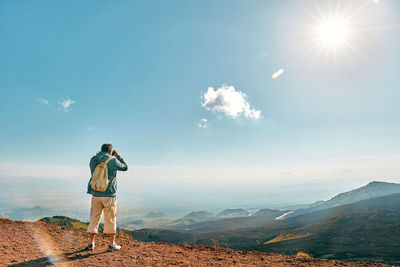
[108,205]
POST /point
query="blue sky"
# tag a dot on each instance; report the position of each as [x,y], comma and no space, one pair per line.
[137,72]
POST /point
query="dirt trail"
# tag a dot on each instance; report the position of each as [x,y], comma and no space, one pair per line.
[40,244]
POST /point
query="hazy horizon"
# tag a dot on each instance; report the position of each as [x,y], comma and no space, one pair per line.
[175,192]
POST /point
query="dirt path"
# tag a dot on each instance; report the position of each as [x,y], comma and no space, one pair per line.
[39,244]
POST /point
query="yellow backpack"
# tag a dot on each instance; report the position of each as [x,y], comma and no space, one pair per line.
[100,180]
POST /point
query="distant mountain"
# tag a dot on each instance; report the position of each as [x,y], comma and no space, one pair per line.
[133,225]
[220,223]
[140,224]
[185,222]
[155,215]
[233,213]
[268,213]
[32,214]
[224,224]
[200,216]
[179,223]
[372,190]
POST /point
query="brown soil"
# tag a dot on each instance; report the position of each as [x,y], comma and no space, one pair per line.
[39,244]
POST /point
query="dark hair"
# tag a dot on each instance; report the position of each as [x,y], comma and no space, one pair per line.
[106,147]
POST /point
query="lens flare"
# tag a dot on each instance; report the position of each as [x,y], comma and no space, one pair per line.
[46,244]
[277,74]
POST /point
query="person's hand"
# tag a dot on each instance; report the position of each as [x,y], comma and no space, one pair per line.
[115,153]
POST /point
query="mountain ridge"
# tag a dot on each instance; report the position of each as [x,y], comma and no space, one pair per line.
[373,189]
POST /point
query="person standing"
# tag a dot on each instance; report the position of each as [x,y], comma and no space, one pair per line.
[105,201]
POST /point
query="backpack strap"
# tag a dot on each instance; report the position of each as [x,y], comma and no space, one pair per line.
[108,160]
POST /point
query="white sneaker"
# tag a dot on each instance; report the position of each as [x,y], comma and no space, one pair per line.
[114,247]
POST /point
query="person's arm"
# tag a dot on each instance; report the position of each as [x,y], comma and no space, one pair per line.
[119,162]
[121,165]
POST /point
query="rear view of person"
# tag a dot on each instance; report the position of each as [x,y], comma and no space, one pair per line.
[103,188]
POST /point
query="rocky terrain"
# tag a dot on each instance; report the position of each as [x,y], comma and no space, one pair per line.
[41,244]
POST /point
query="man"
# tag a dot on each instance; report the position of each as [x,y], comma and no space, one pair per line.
[105,201]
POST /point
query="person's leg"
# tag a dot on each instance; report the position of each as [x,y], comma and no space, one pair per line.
[96,211]
[92,236]
[112,239]
[110,222]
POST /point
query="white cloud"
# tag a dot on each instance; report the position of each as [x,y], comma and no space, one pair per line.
[42,100]
[229,101]
[202,123]
[66,104]
[277,74]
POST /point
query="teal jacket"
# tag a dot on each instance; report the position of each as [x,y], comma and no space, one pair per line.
[114,165]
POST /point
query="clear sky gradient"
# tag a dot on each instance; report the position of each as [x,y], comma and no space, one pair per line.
[76,74]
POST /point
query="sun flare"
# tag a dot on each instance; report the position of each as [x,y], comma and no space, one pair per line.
[335,29]
[332,33]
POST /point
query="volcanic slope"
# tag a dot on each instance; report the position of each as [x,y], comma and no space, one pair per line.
[41,244]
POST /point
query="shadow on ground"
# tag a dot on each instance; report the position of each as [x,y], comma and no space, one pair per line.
[57,259]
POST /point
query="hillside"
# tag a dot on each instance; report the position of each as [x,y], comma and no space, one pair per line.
[366,230]
[233,213]
[371,190]
[41,244]
[200,216]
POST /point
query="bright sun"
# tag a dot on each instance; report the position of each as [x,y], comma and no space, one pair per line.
[335,28]
[331,33]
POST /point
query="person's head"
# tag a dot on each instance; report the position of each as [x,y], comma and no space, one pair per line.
[107,148]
